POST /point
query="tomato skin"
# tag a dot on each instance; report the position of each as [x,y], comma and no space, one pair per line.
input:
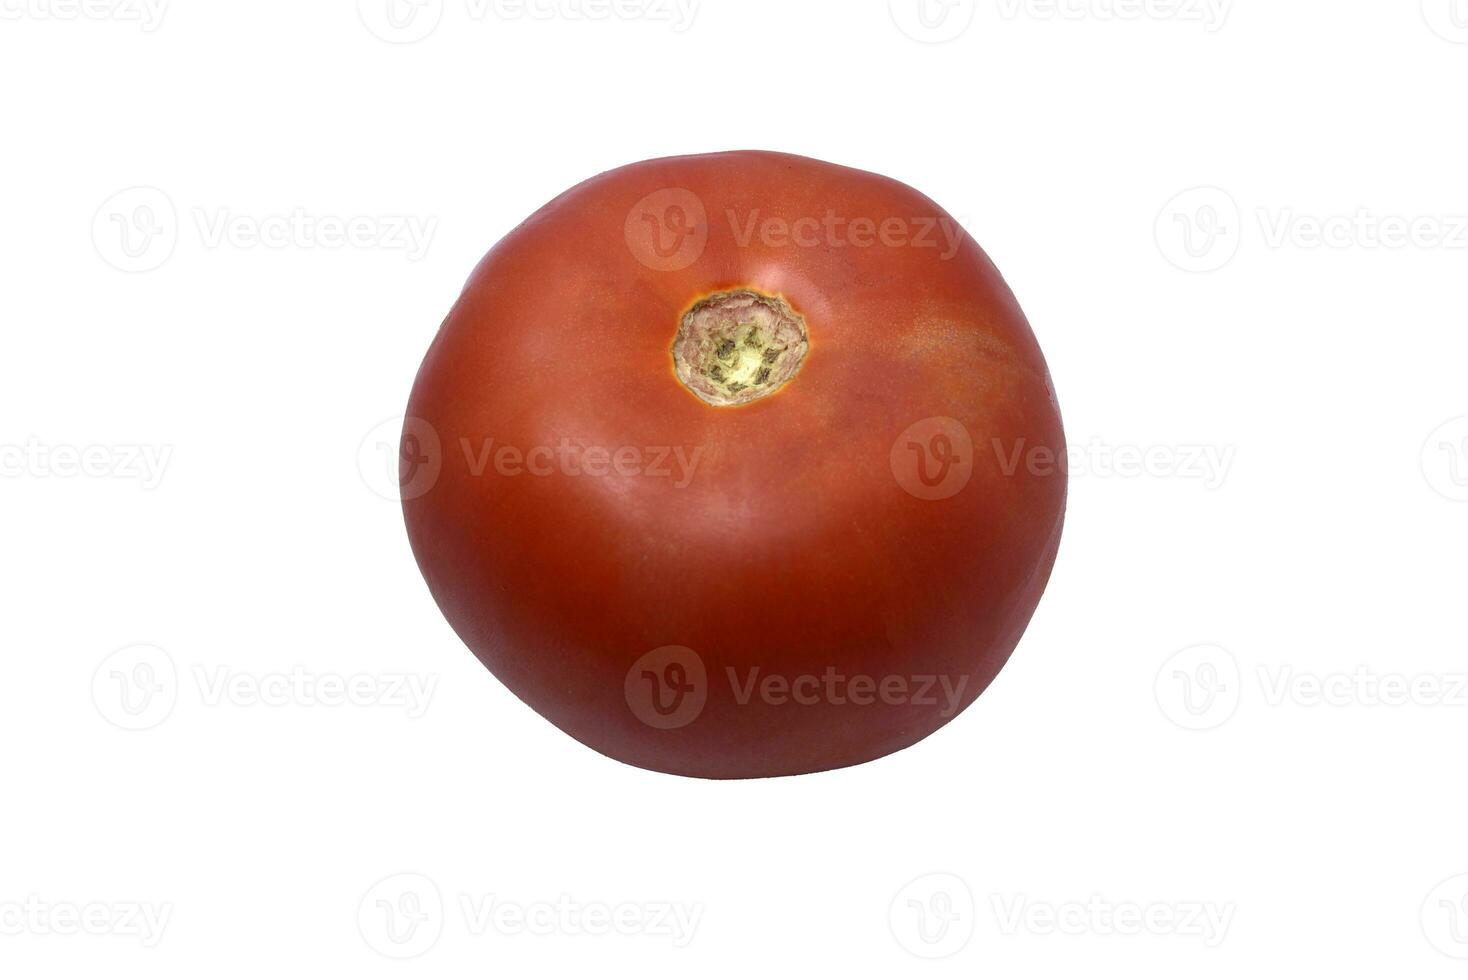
[791,542]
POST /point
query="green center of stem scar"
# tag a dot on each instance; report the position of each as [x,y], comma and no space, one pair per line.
[735,347]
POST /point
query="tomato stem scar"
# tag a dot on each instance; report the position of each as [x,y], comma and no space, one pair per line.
[735,347]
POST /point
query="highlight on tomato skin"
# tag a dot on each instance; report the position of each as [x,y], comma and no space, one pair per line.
[737,465]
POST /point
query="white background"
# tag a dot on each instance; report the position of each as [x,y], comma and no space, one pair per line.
[1156,750]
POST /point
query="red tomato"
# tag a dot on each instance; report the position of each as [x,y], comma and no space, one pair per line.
[736,465]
